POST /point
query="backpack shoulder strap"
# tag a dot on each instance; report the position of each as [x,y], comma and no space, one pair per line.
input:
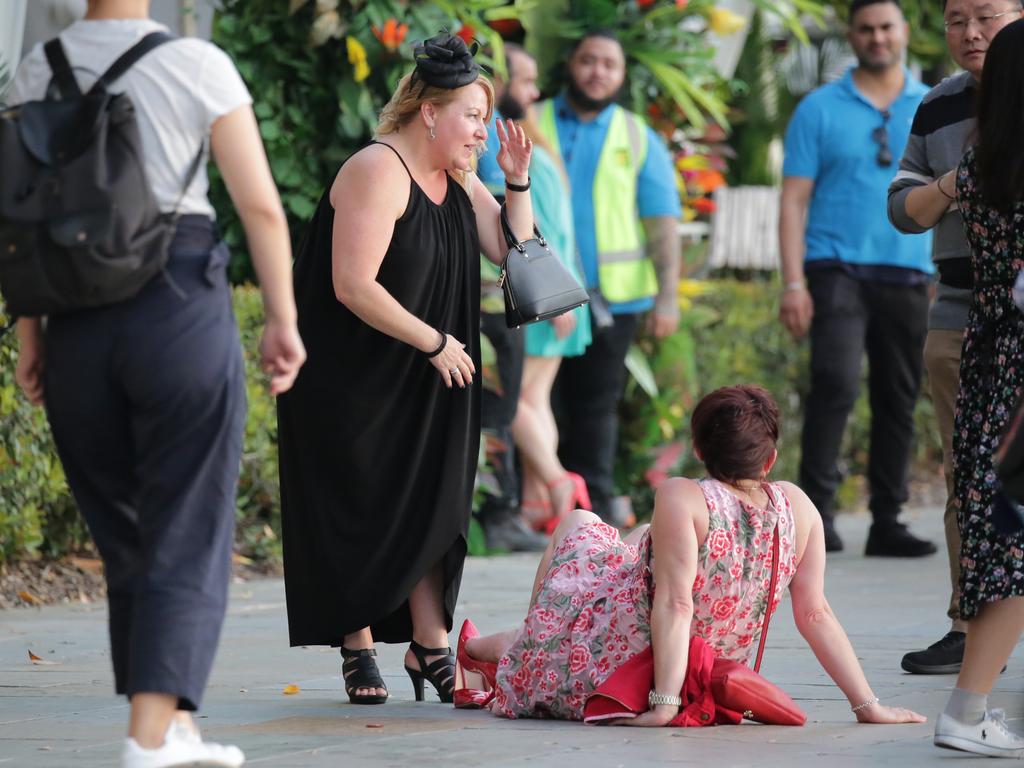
[127,59]
[61,68]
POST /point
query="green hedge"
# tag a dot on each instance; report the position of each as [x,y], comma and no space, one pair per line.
[730,334]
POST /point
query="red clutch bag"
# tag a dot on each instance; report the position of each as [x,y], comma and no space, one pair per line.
[715,691]
[738,688]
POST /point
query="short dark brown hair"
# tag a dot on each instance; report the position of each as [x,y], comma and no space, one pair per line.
[856,5]
[735,430]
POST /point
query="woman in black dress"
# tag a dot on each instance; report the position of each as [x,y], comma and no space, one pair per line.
[990,194]
[380,436]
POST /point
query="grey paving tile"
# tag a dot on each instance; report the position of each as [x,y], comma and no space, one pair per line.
[65,714]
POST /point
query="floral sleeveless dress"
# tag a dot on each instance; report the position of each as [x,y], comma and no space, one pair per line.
[592,612]
[991,381]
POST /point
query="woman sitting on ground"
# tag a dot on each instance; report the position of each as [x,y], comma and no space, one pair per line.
[709,547]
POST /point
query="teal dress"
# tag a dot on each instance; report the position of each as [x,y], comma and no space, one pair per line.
[553,211]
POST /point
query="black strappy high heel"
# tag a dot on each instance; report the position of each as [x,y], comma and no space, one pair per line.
[359,670]
[440,672]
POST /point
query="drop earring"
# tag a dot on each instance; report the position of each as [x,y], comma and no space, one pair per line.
[432,136]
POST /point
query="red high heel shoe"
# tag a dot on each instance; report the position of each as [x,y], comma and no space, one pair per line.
[580,499]
[475,692]
[536,513]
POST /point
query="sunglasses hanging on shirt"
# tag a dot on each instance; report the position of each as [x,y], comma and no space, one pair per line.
[880,135]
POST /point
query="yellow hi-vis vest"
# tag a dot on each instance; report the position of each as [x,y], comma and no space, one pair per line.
[624,271]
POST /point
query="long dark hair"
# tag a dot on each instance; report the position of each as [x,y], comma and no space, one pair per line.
[1001,120]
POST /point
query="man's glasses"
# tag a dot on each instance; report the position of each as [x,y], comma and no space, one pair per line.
[959,26]
[880,135]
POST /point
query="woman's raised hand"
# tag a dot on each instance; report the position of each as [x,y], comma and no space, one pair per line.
[879,713]
[514,156]
[455,366]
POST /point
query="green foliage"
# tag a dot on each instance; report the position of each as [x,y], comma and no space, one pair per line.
[757,118]
[258,514]
[668,50]
[37,515]
[313,104]
[731,335]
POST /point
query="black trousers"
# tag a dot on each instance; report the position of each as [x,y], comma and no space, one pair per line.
[497,410]
[587,391]
[146,399]
[889,322]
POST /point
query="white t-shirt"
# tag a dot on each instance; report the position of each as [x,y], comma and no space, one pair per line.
[179,90]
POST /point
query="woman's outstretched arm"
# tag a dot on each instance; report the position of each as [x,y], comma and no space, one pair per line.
[674,541]
[822,630]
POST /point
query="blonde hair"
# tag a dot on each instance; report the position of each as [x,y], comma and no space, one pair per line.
[411,94]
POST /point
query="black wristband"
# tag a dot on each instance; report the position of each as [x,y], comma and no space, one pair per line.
[517,187]
[938,183]
[441,346]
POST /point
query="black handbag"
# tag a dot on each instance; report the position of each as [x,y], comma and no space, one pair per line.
[536,284]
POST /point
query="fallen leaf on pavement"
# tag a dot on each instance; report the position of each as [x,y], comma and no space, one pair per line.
[90,564]
[40,661]
[28,597]
[290,690]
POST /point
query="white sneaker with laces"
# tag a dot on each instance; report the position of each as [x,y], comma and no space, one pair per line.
[989,737]
[182,747]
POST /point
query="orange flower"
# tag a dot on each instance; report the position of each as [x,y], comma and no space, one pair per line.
[680,4]
[709,180]
[467,33]
[702,205]
[392,35]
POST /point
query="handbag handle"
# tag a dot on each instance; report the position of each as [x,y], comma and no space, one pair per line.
[510,237]
[773,584]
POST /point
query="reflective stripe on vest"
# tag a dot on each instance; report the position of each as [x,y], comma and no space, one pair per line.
[624,271]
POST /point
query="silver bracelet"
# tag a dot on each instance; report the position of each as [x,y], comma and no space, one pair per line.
[867,703]
[794,286]
[654,699]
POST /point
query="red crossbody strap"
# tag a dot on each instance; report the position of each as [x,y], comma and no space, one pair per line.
[771,588]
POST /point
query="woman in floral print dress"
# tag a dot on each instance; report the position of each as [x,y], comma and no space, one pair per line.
[709,550]
[990,195]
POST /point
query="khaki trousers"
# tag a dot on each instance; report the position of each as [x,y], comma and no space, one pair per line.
[942,360]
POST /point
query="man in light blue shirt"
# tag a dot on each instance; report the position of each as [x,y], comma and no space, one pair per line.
[629,250]
[866,284]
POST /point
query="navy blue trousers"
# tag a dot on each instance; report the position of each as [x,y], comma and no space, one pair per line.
[146,400]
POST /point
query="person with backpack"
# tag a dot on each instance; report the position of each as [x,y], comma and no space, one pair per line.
[141,371]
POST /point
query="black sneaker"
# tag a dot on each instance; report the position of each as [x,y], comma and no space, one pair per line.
[941,658]
[896,541]
[832,541]
[511,534]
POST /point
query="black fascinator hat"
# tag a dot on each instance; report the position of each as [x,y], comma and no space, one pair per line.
[445,61]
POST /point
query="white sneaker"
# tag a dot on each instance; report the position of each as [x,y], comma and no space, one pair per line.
[182,747]
[989,737]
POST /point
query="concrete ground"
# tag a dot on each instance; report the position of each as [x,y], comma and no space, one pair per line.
[63,713]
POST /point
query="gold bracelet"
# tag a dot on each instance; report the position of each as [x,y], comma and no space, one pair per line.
[867,703]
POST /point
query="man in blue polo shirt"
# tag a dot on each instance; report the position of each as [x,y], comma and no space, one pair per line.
[866,285]
[626,210]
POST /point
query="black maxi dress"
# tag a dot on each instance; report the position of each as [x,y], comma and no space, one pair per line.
[377,455]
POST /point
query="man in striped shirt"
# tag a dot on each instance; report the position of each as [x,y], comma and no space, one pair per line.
[921,197]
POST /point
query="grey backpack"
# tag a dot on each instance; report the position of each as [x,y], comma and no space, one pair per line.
[79,224]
